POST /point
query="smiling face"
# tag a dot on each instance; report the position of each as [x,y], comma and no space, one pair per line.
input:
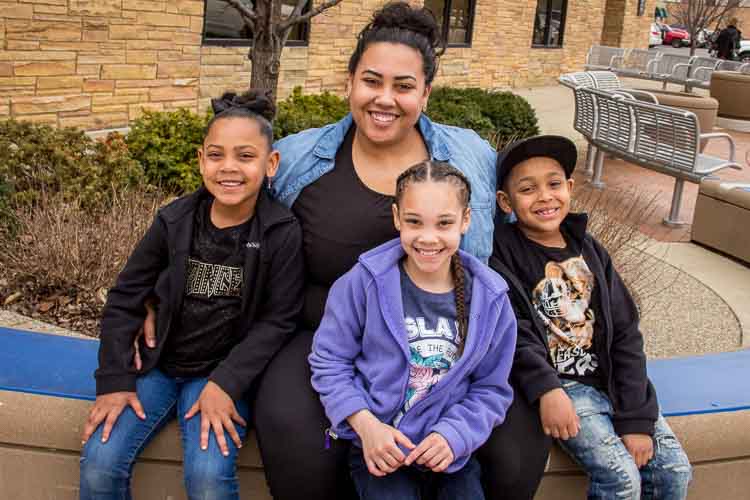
[539,194]
[387,92]
[431,220]
[234,159]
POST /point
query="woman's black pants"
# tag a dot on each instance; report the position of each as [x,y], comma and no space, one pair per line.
[290,424]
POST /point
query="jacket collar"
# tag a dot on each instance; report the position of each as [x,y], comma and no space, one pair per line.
[331,140]
[268,212]
[384,258]
[575,225]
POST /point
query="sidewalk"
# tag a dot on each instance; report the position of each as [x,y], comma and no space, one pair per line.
[726,278]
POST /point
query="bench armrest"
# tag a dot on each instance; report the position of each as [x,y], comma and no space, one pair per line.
[616,61]
[641,95]
[702,70]
[722,135]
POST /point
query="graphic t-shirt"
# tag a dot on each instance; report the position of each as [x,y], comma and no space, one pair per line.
[432,331]
[212,301]
[565,299]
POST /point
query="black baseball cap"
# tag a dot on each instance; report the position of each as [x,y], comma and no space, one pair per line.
[557,147]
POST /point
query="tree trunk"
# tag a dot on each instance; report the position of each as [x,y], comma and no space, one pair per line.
[265,56]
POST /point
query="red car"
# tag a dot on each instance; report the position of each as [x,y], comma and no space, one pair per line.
[675,37]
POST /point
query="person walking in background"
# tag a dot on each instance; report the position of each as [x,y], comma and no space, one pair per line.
[728,41]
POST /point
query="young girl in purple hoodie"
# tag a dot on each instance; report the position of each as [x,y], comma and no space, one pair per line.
[412,356]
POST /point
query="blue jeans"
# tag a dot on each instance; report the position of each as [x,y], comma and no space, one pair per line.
[412,483]
[612,471]
[106,467]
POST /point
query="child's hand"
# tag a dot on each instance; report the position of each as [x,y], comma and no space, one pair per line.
[107,408]
[558,414]
[218,413]
[640,447]
[379,443]
[433,452]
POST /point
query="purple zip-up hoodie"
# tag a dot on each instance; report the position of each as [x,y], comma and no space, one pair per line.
[360,356]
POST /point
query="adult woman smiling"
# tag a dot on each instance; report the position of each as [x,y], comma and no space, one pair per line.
[339,181]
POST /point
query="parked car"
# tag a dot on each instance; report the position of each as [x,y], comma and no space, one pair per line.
[702,38]
[744,53]
[674,36]
[654,36]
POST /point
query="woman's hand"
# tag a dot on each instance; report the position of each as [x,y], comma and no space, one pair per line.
[558,414]
[218,413]
[640,447]
[148,331]
[379,443]
[107,408]
[433,452]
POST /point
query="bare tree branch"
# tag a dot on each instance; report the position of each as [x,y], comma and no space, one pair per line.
[290,21]
[246,11]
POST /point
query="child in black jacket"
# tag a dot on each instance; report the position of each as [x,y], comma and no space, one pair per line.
[225,266]
[580,352]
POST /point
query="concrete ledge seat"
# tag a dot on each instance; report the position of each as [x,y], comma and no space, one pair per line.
[732,90]
[722,208]
[702,396]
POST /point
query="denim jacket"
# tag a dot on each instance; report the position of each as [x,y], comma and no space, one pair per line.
[310,154]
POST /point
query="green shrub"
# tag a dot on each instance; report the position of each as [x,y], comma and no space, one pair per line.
[300,112]
[38,158]
[499,117]
[166,144]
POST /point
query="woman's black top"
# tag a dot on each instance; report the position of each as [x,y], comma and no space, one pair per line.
[341,218]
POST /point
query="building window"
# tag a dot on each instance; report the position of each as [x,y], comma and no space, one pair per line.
[222,25]
[549,23]
[456,18]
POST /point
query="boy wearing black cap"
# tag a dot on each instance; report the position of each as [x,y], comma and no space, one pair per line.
[579,354]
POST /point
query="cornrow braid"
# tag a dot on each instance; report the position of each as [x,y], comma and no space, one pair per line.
[436,171]
[459,291]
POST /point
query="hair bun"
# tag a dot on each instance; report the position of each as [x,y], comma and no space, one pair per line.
[257,101]
[400,15]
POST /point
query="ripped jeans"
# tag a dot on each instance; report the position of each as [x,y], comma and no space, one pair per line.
[612,471]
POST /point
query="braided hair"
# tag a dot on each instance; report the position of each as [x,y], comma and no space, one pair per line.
[439,171]
[253,104]
[398,22]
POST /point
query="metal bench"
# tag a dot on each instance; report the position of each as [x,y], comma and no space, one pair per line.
[635,62]
[660,138]
[600,57]
[602,80]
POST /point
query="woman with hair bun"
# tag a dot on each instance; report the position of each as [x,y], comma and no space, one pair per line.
[340,182]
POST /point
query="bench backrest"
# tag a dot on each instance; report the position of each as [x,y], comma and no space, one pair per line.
[601,55]
[614,122]
[665,65]
[584,120]
[606,80]
[665,136]
[577,79]
[636,60]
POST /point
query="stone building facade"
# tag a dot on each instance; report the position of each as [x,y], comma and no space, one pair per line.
[97,64]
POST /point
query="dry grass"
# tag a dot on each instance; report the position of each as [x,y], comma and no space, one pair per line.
[61,259]
[614,220]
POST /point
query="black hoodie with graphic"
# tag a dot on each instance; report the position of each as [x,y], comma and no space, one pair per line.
[266,279]
[622,361]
